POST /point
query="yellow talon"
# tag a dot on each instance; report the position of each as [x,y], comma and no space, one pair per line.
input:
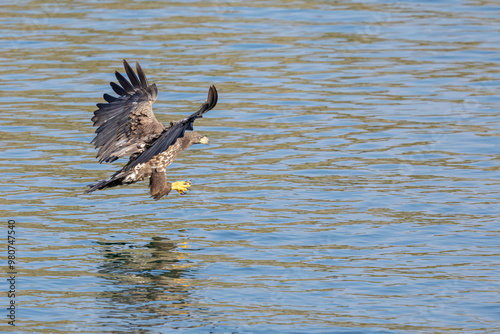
[181,186]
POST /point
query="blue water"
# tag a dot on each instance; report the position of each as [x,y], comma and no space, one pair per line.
[351,184]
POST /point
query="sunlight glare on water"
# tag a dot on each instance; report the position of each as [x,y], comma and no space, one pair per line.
[351,184]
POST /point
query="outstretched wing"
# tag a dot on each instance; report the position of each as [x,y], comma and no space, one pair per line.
[176,130]
[126,123]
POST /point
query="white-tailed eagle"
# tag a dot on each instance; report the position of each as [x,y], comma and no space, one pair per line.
[127,127]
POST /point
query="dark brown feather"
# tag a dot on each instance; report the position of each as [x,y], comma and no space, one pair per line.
[131,75]
[117,89]
[126,124]
[177,130]
[124,83]
[142,76]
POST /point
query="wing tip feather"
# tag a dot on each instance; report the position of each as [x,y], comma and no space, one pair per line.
[131,75]
[142,76]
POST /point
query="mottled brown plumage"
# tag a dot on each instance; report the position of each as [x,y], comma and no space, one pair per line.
[127,126]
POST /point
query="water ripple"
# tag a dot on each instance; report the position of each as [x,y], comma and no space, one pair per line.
[351,184]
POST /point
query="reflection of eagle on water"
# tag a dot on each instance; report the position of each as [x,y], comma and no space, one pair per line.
[127,126]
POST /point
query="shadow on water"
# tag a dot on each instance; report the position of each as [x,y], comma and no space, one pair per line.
[147,283]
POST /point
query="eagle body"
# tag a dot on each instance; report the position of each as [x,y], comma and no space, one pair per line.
[127,127]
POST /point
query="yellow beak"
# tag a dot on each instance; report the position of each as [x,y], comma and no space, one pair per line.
[205,140]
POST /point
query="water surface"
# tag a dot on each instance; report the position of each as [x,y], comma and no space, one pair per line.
[351,184]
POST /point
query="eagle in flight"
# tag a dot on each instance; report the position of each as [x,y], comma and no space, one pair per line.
[127,126]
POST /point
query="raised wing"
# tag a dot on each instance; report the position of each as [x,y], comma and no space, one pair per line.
[176,130]
[126,123]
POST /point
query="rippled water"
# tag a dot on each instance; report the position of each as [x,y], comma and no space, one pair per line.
[351,185]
